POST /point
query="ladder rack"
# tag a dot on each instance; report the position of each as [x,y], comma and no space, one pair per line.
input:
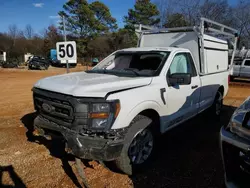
[206,26]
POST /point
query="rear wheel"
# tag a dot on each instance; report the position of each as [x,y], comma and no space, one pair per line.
[232,78]
[138,150]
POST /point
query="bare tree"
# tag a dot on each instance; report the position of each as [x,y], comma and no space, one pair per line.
[241,21]
[13,33]
[29,32]
[190,9]
[218,10]
[166,8]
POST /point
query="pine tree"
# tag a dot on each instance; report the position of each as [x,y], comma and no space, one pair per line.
[144,12]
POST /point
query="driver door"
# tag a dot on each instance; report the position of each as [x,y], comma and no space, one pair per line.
[182,100]
[245,69]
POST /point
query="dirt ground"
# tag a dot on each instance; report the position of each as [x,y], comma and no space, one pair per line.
[188,157]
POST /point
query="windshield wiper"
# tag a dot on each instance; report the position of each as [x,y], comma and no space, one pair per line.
[131,70]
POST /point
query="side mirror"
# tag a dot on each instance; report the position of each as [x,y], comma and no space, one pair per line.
[95,61]
[179,79]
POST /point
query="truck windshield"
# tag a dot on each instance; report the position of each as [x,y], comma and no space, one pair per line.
[141,63]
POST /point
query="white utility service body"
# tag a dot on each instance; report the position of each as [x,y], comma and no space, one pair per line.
[191,76]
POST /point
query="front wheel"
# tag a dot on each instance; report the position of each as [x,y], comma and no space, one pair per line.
[217,105]
[139,149]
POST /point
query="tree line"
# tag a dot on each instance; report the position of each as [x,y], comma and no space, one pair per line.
[96,32]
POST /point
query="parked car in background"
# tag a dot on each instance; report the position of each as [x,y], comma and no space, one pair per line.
[95,61]
[55,63]
[241,66]
[37,62]
[115,111]
[235,148]
[240,69]
[10,63]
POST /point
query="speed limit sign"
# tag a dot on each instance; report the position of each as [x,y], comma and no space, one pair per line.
[66,50]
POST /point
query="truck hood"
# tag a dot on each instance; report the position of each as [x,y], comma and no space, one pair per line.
[84,84]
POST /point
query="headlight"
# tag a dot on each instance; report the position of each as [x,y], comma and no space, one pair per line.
[101,107]
[240,123]
[104,114]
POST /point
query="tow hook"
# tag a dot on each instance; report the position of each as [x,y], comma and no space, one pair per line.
[40,132]
[79,143]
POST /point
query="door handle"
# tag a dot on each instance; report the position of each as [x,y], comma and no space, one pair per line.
[163,90]
[194,87]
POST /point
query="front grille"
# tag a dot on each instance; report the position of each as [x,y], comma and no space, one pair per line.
[64,110]
[54,109]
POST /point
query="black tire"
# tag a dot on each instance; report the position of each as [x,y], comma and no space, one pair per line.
[138,125]
[232,78]
[217,105]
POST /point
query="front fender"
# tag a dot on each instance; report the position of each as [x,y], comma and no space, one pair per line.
[125,119]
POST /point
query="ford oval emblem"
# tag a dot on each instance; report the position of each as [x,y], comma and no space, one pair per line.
[46,107]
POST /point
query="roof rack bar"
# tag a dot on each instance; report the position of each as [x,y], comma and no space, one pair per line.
[148,29]
[221,32]
[222,27]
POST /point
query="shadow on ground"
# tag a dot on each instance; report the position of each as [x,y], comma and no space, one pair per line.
[240,81]
[56,147]
[188,156]
[18,183]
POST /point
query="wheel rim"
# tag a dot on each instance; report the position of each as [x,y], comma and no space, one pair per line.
[141,147]
[218,105]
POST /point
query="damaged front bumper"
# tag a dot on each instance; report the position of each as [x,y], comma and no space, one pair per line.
[85,147]
[236,158]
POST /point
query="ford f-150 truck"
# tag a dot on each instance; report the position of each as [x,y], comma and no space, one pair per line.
[115,111]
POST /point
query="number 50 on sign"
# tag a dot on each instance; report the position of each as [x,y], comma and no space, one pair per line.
[66,50]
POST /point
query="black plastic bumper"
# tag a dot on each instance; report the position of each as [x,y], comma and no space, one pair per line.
[85,147]
[236,159]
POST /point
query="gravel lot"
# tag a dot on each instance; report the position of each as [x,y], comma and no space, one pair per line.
[189,155]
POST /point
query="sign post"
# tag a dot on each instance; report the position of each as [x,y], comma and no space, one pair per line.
[65,40]
[66,51]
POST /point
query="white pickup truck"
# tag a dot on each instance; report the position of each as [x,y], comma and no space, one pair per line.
[241,65]
[115,111]
[240,69]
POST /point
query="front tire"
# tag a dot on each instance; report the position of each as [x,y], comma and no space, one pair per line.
[217,105]
[139,148]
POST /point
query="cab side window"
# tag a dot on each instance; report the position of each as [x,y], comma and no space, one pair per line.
[182,63]
[247,63]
